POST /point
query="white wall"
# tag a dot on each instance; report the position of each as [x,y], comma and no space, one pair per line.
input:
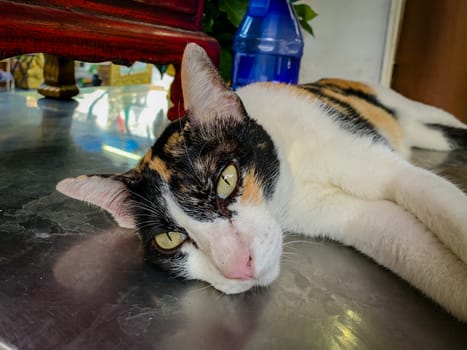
[349,40]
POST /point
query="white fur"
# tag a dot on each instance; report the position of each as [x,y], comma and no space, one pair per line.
[253,228]
[363,194]
[414,115]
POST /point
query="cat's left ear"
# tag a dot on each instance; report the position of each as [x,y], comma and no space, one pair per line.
[108,192]
[206,97]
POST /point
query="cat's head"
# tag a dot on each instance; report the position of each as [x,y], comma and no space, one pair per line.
[200,197]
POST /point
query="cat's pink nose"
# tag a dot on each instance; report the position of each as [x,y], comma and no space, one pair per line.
[241,267]
[233,257]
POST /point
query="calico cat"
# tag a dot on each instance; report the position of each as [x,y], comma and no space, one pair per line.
[212,198]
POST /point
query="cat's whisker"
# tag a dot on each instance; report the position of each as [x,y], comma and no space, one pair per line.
[148,212]
[200,289]
[260,290]
[140,196]
[145,204]
[202,148]
[116,195]
[285,244]
[145,200]
[146,208]
[148,218]
[147,224]
[288,254]
[221,295]
[288,261]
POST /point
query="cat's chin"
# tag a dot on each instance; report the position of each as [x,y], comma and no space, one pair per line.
[237,286]
[234,286]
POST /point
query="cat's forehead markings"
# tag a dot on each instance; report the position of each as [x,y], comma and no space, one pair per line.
[145,160]
[252,193]
[184,189]
[173,142]
[187,127]
[204,165]
[159,166]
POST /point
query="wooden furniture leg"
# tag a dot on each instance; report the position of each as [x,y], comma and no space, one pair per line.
[59,77]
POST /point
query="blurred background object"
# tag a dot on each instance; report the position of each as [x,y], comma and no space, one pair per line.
[268,44]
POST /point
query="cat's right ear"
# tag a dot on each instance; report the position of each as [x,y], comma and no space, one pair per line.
[108,192]
[206,98]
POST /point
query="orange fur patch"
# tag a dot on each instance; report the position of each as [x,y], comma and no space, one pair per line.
[348,84]
[378,117]
[174,140]
[160,167]
[252,192]
[145,160]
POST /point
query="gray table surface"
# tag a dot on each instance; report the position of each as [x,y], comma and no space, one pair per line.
[71,279]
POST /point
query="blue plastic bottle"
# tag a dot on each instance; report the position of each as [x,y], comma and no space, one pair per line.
[268,45]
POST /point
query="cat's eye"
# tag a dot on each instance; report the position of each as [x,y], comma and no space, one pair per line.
[227,181]
[169,241]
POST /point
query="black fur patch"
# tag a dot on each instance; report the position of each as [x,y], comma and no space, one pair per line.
[152,218]
[345,114]
[370,98]
[457,137]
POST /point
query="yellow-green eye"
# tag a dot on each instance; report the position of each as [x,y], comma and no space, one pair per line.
[169,241]
[227,181]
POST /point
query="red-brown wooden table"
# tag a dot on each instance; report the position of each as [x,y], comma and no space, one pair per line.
[153,31]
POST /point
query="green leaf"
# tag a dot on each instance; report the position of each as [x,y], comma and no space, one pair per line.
[234,9]
[306,27]
[208,23]
[225,66]
[305,14]
[210,16]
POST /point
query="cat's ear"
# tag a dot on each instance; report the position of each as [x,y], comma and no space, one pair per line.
[108,192]
[206,97]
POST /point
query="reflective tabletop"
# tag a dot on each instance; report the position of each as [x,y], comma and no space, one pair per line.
[70,278]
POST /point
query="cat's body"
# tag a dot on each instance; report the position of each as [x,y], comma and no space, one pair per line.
[212,198]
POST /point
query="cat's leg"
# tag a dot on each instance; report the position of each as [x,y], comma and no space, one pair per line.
[393,238]
[376,173]
[439,204]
